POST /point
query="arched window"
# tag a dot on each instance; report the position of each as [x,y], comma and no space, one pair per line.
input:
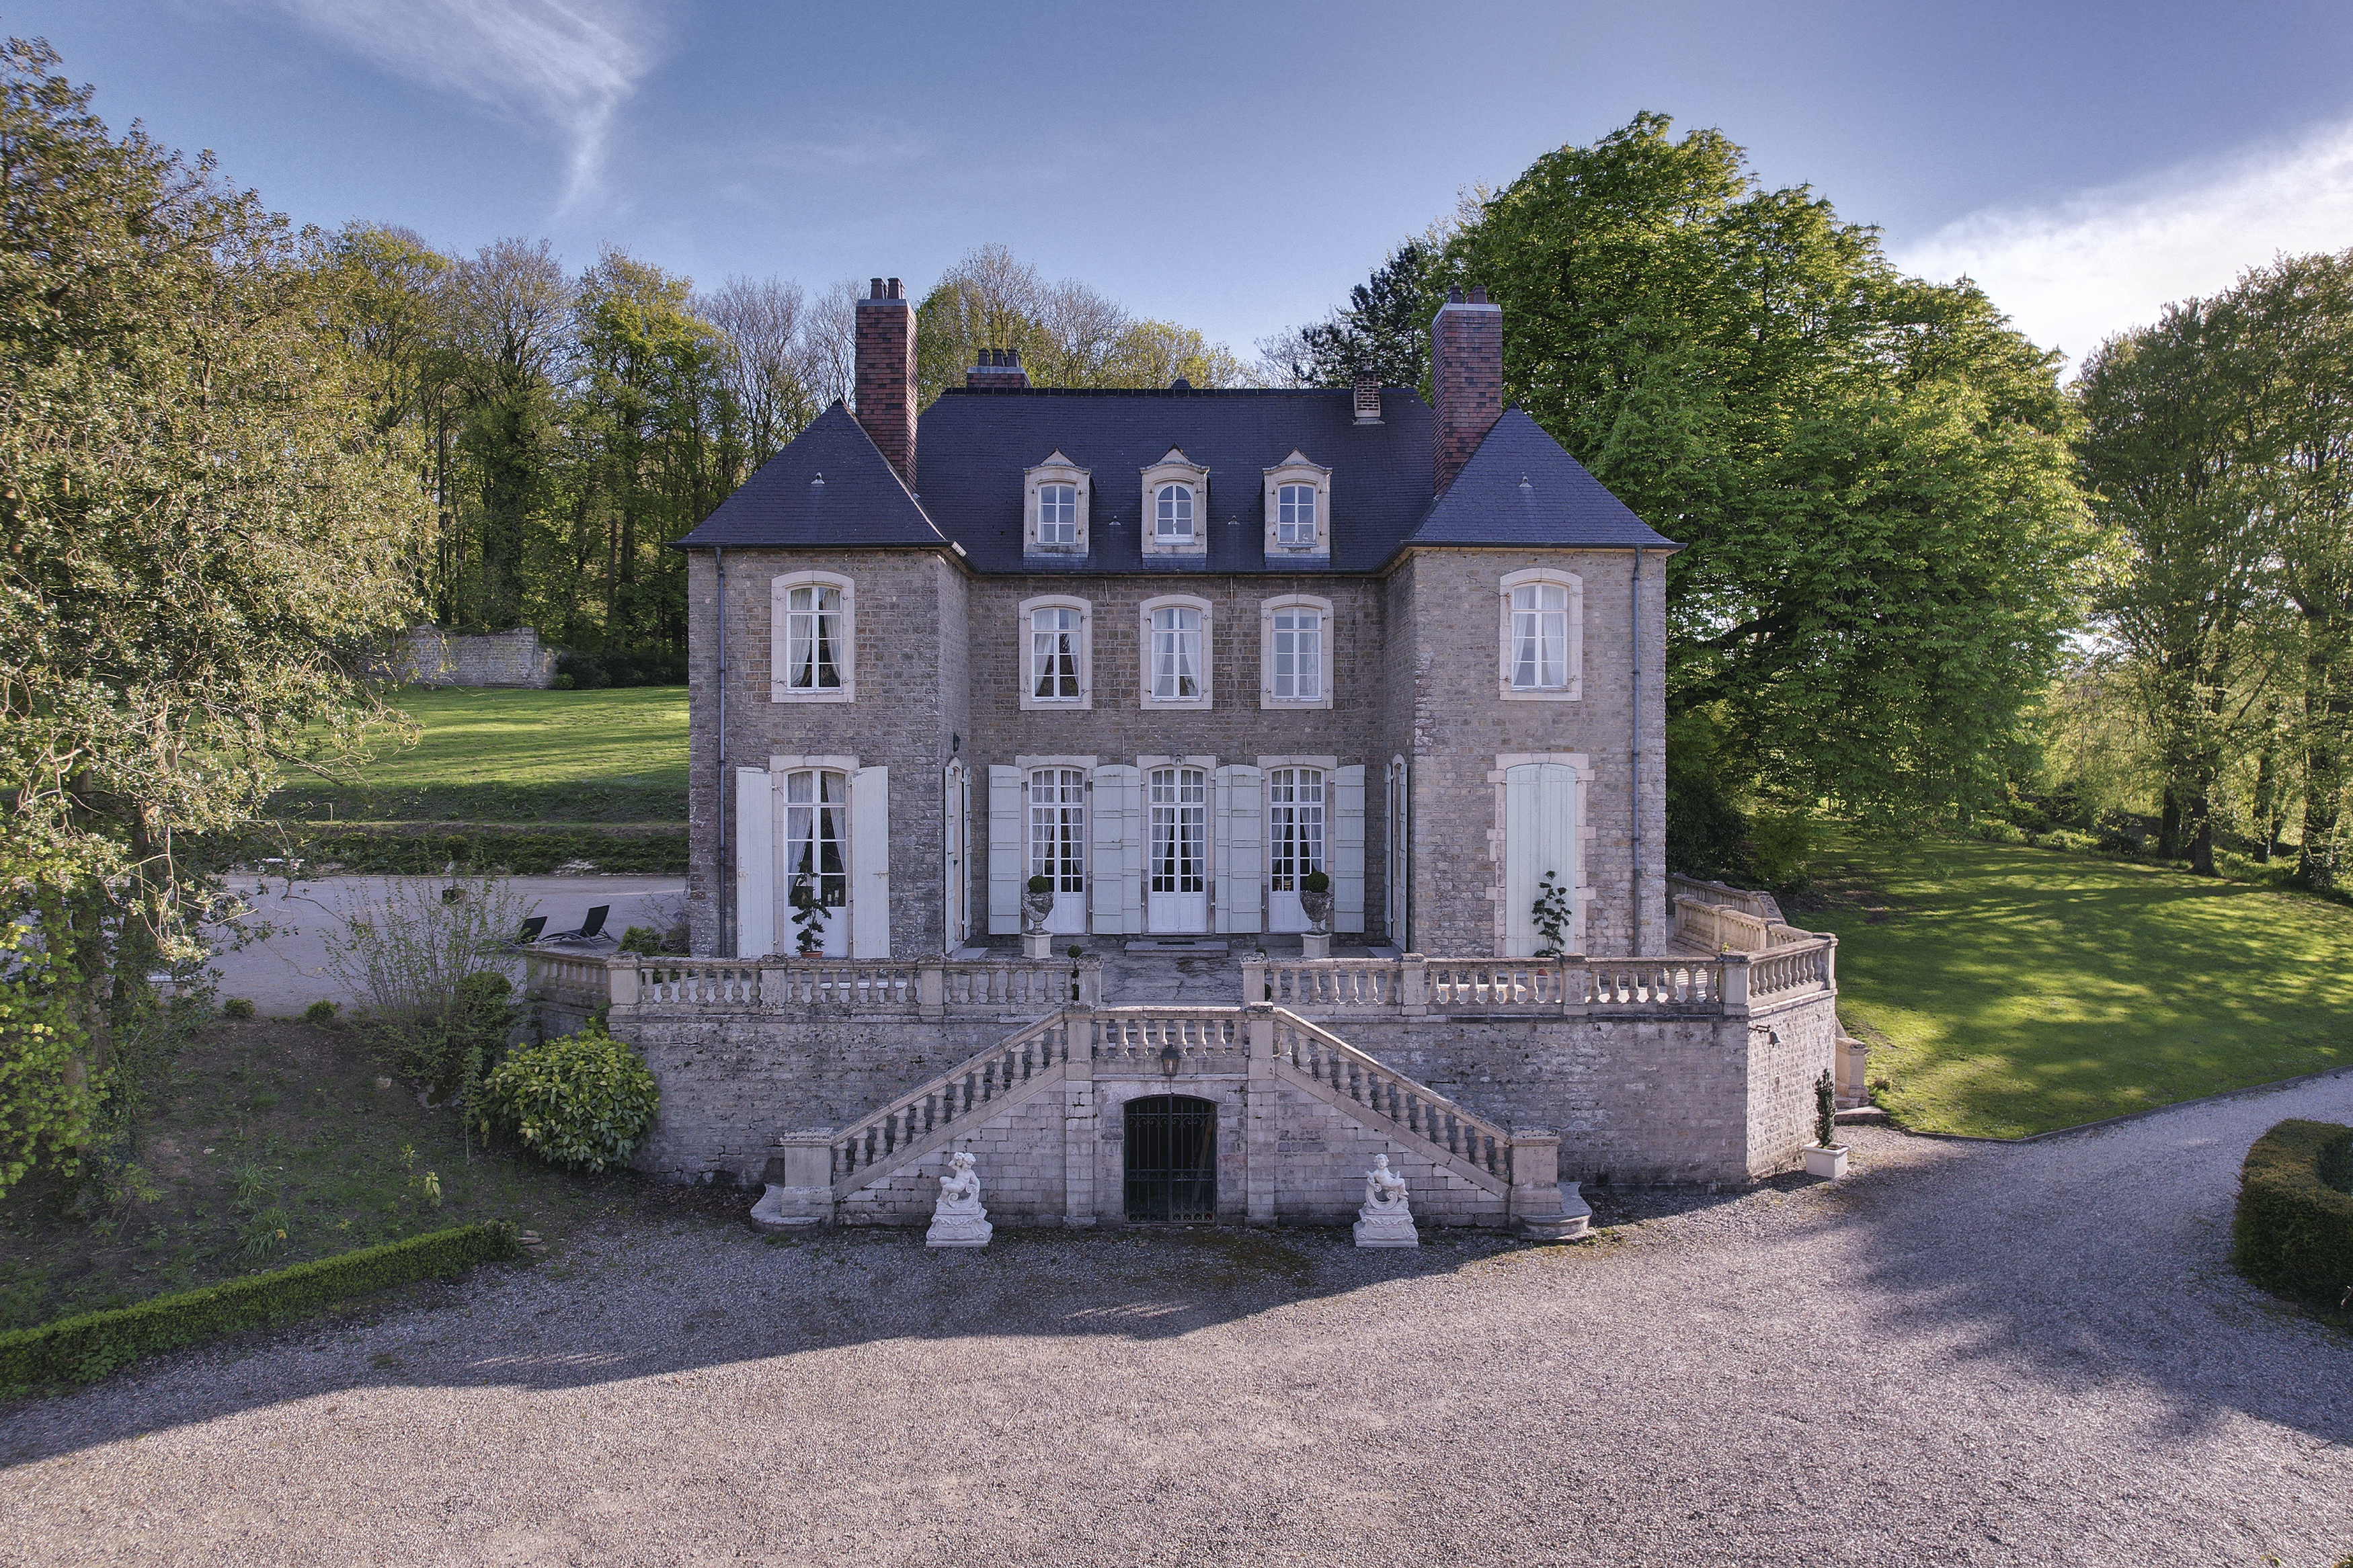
[1172,514]
[1058,514]
[1543,632]
[1176,652]
[1057,660]
[1295,647]
[1298,508]
[812,638]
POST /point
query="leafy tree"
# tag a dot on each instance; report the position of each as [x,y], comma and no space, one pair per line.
[1871,472]
[1382,331]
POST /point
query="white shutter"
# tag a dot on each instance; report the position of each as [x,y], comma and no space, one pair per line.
[954,879]
[1346,855]
[756,863]
[1539,836]
[870,863]
[1241,869]
[1008,863]
[1116,850]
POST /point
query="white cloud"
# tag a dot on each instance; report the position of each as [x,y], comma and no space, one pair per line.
[563,65]
[2109,259]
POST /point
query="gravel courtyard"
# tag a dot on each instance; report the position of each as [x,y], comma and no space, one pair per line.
[1966,1355]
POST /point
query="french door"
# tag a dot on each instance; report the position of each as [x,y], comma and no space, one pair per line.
[1177,900]
[817,868]
[1057,844]
[1294,808]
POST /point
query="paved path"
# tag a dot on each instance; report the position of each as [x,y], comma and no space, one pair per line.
[1965,1355]
[286,972]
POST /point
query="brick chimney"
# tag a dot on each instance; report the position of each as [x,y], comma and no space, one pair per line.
[1466,373]
[886,373]
[997,367]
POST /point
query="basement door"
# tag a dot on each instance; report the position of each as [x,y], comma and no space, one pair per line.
[1176,902]
[1171,1154]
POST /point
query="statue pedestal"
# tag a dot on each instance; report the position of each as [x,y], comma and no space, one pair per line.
[1392,1226]
[791,1208]
[1038,944]
[1315,944]
[959,1228]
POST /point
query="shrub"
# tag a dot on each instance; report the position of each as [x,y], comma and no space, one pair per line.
[584,1101]
[238,1007]
[1040,884]
[320,1012]
[1316,882]
[1780,846]
[2294,1230]
[641,939]
[86,1347]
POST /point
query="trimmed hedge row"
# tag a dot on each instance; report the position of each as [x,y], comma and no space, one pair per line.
[2294,1231]
[86,1347]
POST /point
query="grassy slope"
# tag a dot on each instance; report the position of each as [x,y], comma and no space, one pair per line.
[610,756]
[275,1124]
[2020,990]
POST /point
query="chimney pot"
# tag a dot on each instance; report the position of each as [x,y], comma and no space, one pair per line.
[1454,296]
[874,289]
[1478,294]
[896,291]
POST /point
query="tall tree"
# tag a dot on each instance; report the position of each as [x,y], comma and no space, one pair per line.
[1382,331]
[761,321]
[510,309]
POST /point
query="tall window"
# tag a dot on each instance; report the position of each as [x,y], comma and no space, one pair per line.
[1054,655]
[1295,814]
[1172,515]
[1058,514]
[1176,653]
[1295,521]
[817,814]
[1539,637]
[1058,827]
[1298,655]
[1180,798]
[813,660]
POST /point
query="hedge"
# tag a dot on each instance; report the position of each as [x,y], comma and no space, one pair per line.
[86,1347]
[2294,1231]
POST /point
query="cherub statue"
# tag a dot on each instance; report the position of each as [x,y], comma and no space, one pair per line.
[958,1220]
[960,1188]
[1386,1218]
[1384,1189]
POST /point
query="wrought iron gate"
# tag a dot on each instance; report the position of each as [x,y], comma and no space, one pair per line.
[1172,1158]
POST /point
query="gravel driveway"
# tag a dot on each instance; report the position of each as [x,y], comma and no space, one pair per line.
[1966,1355]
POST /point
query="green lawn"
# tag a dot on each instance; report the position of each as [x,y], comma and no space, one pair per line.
[612,756]
[2012,990]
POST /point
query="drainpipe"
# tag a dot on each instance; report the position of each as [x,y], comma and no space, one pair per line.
[1635,936]
[719,877]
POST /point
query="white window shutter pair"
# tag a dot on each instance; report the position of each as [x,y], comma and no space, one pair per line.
[1239,850]
[1006,847]
[1539,836]
[756,863]
[1116,849]
[1344,857]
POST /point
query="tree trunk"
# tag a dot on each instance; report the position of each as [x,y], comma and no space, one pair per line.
[2169,826]
[2324,771]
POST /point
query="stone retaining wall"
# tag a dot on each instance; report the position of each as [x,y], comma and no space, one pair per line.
[436,657]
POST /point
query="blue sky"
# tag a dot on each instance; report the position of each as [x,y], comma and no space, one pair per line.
[1236,166]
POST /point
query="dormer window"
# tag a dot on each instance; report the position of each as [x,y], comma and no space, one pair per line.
[1054,509]
[1176,506]
[1298,508]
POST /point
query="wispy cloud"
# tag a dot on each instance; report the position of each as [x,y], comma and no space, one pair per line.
[2109,259]
[562,65]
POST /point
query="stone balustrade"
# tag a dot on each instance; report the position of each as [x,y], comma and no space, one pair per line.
[917,988]
[961,1096]
[1138,1039]
[1762,906]
[1415,987]
[1417,1111]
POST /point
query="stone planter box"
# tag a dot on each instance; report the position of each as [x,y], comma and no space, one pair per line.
[1828,1163]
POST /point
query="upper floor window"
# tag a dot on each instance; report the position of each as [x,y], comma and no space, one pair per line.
[1057,658]
[1176,506]
[812,638]
[1544,616]
[1176,648]
[1298,508]
[1054,507]
[1293,647]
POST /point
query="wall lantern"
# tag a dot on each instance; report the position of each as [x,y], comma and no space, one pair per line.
[1169,1057]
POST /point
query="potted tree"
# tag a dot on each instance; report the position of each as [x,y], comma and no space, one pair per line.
[1825,1156]
[1036,904]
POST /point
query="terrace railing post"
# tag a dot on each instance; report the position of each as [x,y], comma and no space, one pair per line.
[1736,982]
[1413,986]
[1253,980]
[931,991]
[1258,1178]
[621,978]
[1078,1115]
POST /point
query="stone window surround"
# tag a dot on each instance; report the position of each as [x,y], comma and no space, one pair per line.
[1266,609]
[1144,662]
[1031,765]
[1056,470]
[779,588]
[1297,469]
[1581,891]
[1575,689]
[1085,701]
[786,763]
[1176,467]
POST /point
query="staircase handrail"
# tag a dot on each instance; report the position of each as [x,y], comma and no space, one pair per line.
[1420,1114]
[970,1088]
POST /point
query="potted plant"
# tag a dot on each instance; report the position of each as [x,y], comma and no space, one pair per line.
[1315,900]
[1825,1156]
[1038,901]
[808,918]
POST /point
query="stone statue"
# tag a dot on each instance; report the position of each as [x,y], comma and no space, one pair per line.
[1386,1218]
[958,1220]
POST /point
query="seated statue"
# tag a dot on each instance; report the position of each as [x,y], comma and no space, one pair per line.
[958,1220]
[1386,1218]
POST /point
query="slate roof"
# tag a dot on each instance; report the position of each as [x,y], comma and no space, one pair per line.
[859,502]
[973,445]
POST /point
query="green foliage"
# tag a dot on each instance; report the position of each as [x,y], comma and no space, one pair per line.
[641,939]
[1871,472]
[2293,1232]
[238,1007]
[584,1101]
[1040,884]
[45,1102]
[87,1348]
[1316,882]
[320,1012]
[1383,331]
[809,918]
[1780,846]
[1825,1110]
[1553,912]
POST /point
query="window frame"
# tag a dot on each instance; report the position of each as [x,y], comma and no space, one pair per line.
[779,640]
[1056,470]
[1174,468]
[1267,610]
[1297,469]
[1147,655]
[1030,701]
[1573,690]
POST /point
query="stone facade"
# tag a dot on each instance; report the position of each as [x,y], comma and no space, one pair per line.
[437,658]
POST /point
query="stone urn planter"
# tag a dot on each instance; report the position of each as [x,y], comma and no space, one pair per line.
[1828,1162]
[1316,905]
[1037,907]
